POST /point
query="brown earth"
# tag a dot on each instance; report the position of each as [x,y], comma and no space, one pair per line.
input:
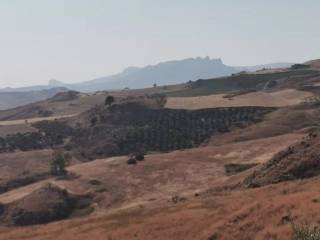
[158,193]
[243,215]
[22,168]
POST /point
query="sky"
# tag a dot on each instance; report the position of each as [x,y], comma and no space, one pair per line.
[78,40]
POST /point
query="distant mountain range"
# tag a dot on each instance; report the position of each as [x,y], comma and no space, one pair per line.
[165,73]
[15,99]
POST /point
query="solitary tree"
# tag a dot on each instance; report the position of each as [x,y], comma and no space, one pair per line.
[59,163]
[109,100]
[139,156]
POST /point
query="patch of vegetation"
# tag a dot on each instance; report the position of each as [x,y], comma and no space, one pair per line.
[131,161]
[22,181]
[139,157]
[238,93]
[126,129]
[134,159]
[44,113]
[50,133]
[54,129]
[60,161]
[160,99]
[214,236]
[95,182]
[234,168]
[305,231]
[109,100]
[299,66]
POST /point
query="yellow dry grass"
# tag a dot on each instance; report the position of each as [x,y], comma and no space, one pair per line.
[286,97]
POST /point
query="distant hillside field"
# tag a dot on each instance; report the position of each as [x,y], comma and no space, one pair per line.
[245,81]
[280,98]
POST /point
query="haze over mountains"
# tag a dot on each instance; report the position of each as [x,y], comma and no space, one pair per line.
[19,98]
[165,73]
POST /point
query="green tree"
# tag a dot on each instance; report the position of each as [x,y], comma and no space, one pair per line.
[139,156]
[59,163]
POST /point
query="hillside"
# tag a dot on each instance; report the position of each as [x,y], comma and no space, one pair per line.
[314,63]
[281,98]
[211,159]
[9,99]
[250,82]
[299,161]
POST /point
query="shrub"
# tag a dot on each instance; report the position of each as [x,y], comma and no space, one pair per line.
[132,161]
[214,237]
[299,66]
[139,157]
[234,168]
[305,231]
[95,182]
[93,121]
[109,100]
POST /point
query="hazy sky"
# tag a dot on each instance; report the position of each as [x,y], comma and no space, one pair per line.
[76,40]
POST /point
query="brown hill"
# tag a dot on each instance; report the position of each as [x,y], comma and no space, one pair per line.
[46,204]
[172,196]
[314,63]
[14,99]
[297,162]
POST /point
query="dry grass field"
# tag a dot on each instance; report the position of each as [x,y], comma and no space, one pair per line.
[162,196]
[282,98]
[28,121]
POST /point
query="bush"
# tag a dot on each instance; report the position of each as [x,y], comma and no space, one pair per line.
[214,237]
[132,161]
[299,66]
[234,168]
[305,231]
[93,121]
[139,157]
[109,100]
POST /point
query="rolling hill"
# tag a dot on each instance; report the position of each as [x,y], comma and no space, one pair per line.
[9,99]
